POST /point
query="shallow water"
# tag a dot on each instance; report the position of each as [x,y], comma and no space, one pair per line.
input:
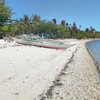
[94,49]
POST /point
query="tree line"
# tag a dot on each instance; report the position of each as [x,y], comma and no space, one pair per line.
[35,25]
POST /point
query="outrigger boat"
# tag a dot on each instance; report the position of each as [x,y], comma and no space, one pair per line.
[45,43]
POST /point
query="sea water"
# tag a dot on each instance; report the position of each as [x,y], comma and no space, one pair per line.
[94,50]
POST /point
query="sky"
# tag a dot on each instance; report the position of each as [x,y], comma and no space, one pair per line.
[84,12]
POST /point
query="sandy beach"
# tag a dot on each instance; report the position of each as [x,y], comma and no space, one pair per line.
[78,81]
[33,73]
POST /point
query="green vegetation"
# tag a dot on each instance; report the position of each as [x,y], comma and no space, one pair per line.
[5,18]
[35,25]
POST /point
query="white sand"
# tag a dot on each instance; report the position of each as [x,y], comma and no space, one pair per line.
[26,71]
[80,81]
[7,44]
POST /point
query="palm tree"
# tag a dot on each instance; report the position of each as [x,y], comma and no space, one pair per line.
[35,18]
[26,22]
[35,22]
[18,24]
[63,23]
[54,21]
[26,19]
[80,26]
[74,30]
[67,25]
[87,30]
[91,29]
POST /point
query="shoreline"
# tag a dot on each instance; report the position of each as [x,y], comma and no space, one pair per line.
[33,80]
[52,93]
[96,64]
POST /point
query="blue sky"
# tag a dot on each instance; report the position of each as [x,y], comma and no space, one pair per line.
[84,12]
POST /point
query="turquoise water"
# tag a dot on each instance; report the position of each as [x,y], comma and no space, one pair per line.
[94,49]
